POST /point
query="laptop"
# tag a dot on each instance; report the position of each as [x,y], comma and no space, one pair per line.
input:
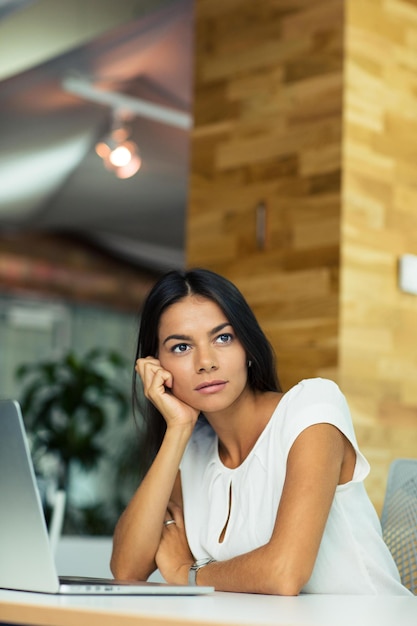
[26,557]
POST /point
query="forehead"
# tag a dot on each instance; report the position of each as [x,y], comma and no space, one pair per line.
[191,312]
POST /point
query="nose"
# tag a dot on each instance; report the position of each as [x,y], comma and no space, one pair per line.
[205,361]
[207,368]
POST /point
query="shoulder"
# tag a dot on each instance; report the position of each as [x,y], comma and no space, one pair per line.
[320,401]
[312,391]
[314,401]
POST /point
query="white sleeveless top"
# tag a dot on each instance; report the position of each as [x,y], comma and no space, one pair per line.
[352,559]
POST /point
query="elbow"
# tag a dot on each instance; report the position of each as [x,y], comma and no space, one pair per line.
[287,581]
[120,570]
[119,565]
[124,571]
[288,588]
[116,569]
[284,587]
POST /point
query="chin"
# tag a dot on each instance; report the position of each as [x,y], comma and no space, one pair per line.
[213,406]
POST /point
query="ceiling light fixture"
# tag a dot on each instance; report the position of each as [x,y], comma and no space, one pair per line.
[84,88]
[119,153]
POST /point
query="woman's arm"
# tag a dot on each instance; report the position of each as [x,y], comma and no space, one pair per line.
[138,532]
[319,459]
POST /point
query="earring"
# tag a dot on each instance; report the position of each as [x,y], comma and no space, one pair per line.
[249,363]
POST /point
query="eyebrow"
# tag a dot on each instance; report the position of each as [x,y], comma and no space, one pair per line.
[212,332]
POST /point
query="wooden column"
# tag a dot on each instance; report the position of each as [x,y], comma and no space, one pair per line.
[267,146]
[378,331]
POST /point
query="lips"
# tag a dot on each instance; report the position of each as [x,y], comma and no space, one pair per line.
[211,386]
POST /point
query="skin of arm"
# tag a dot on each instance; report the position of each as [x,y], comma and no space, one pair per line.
[320,459]
[138,532]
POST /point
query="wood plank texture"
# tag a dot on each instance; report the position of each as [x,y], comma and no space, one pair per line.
[268,121]
[378,331]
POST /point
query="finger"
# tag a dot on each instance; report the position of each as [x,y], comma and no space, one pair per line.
[175,512]
[169,519]
[143,363]
[155,378]
[169,522]
[158,380]
[149,367]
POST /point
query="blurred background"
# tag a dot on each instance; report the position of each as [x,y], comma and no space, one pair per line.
[70,73]
[83,236]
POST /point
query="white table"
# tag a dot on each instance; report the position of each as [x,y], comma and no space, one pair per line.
[217,609]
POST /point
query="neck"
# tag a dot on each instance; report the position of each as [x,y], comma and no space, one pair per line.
[239,427]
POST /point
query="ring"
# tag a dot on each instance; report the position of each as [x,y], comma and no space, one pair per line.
[169,521]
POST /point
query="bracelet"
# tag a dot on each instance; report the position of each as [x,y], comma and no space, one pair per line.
[192,573]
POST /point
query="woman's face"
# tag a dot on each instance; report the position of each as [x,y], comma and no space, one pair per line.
[198,346]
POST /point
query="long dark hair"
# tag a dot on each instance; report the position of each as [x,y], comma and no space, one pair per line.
[174,286]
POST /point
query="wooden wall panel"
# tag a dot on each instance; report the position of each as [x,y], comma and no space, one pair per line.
[268,120]
[378,330]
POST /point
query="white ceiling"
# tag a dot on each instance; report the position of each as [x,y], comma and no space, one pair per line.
[50,177]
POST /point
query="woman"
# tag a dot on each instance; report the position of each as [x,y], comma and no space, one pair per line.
[249,489]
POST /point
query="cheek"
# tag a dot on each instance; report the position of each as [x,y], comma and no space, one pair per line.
[178,369]
[181,386]
[243,375]
[240,363]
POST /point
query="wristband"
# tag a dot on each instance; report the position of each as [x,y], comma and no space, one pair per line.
[192,573]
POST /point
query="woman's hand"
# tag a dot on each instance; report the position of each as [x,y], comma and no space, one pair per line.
[157,385]
[174,557]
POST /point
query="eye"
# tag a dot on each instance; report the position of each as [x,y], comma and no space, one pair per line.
[180,347]
[224,338]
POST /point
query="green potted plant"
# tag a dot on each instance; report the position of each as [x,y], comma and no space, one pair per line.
[68,404]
